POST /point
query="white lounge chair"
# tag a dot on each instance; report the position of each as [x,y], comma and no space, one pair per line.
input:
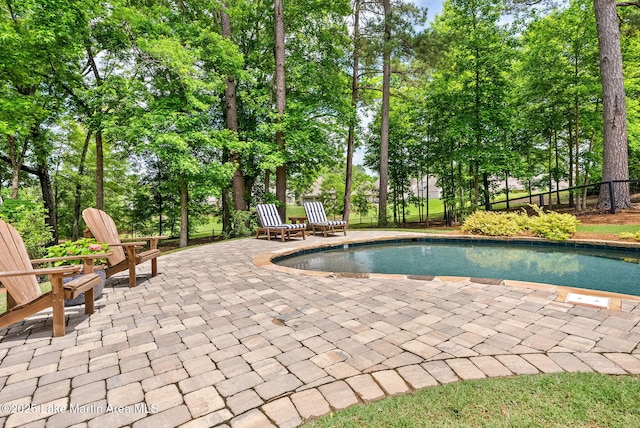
[272,224]
[317,219]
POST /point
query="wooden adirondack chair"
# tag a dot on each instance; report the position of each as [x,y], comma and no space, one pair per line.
[103,228]
[24,297]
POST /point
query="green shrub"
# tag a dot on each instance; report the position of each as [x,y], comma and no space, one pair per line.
[243,223]
[493,223]
[554,226]
[82,246]
[28,217]
[629,235]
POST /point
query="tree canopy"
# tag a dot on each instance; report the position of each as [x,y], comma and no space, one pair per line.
[164,111]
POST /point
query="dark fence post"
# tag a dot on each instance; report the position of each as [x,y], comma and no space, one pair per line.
[541,200]
[612,198]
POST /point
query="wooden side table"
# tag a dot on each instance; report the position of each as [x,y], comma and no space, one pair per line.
[295,219]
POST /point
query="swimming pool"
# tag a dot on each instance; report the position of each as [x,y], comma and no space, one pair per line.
[573,265]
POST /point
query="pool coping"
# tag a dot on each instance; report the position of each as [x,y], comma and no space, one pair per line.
[614,300]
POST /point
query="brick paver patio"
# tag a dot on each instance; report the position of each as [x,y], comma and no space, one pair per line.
[216,340]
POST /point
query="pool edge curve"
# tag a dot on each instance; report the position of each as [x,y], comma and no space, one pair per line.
[265,261]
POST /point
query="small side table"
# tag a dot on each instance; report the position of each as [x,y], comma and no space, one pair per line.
[295,219]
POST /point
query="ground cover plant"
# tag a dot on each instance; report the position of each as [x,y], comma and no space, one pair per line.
[556,400]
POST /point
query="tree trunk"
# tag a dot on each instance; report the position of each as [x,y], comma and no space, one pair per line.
[478,129]
[570,143]
[15,179]
[99,172]
[232,124]
[267,181]
[419,195]
[16,160]
[75,233]
[574,142]
[184,213]
[506,188]
[160,214]
[458,204]
[616,162]
[99,147]
[49,201]
[486,191]
[394,195]
[426,190]
[281,171]
[549,167]
[404,204]
[249,182]
[576,157]
[226,209]
[354,104]
[474,185]
[587,169]
[557,174]
[384,132]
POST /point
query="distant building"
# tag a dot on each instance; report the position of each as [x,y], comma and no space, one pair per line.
[314,193]
[427,187]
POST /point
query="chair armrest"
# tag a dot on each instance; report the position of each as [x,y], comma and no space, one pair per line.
[87,260]
[153,240]
[78,257]
[144,238]
[45,271]
[129,244]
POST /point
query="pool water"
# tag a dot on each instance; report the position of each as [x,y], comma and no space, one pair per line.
[616,271]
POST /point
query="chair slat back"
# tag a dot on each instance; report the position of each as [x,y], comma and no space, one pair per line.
[104,229]
[14,257]
[315,212]
[268,215]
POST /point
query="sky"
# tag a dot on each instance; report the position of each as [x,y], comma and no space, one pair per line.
[433,7]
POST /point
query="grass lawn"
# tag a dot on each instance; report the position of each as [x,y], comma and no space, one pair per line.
[436,210]
[213,227]
[557,400]
[521,199]
[609,228]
